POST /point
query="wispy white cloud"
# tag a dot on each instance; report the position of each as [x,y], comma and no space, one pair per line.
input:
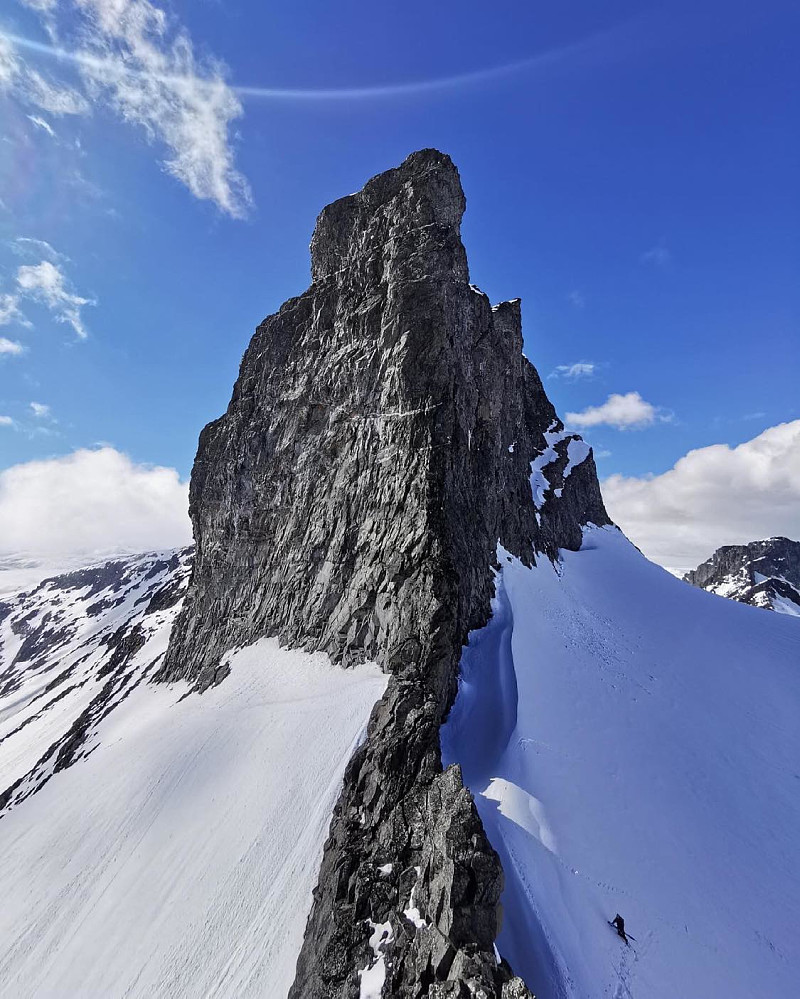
[46,283]
[10,347]
[712,496]
[26,246]
[580,369]
[40,410]
[92,500]
[135,59]
[6,421]
[27,85]
[577,298]
[624,412]
[42,124]
[10,311]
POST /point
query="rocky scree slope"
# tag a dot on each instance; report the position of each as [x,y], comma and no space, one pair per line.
[380,441]
[764,574]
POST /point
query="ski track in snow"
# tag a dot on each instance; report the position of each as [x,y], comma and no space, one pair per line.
[178,858]
[633,746]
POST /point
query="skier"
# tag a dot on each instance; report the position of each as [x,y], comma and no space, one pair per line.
[619,925]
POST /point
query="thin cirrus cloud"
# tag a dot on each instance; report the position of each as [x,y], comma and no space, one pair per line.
[712,496]
[32,89]
[140,63]
[623,412]
[47,284]
[44,282]
[591,47]
[45,126]
[580,369]
[10,313]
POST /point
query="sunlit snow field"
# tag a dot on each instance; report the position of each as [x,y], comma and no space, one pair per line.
[178,859]
[634,747]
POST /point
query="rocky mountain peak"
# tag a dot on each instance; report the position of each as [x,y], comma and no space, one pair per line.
[408,218]
[385,434]
[764,574]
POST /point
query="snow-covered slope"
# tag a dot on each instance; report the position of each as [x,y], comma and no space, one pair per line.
[71,649]
[633,744]
[173,841]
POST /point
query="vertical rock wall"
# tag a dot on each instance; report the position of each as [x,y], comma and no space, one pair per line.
[377,447]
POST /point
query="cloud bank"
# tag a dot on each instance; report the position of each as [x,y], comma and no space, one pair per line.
[717,495]
[91,501]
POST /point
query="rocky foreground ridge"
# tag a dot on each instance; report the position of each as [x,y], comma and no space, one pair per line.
[384,434]
[764,574]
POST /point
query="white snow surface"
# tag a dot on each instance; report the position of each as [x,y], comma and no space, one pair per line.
[633,745]
[178,858]
[737,585]
[411,911]
[577,451]
[373,977]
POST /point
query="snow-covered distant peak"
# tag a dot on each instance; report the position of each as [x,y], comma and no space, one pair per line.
[24,570]
[73,647]
[764,574]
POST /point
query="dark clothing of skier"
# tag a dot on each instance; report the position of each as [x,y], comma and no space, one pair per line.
[619,925]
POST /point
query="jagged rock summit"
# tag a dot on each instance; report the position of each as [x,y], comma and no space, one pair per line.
[378,447]
[764,574]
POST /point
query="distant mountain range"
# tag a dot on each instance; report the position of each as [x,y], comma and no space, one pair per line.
[764,574]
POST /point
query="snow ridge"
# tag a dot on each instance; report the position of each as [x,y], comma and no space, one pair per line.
[650,770]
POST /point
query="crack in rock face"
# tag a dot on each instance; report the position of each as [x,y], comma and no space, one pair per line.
[378,445]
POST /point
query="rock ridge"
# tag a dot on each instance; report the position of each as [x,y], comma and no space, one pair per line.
[378,445]
[763,574]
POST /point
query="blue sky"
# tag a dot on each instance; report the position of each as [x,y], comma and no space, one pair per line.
[633,179]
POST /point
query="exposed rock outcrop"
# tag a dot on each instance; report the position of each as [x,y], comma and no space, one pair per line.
[764,574]
[378,445]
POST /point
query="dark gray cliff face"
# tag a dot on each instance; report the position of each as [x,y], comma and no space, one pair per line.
[377,447]
[764,574]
